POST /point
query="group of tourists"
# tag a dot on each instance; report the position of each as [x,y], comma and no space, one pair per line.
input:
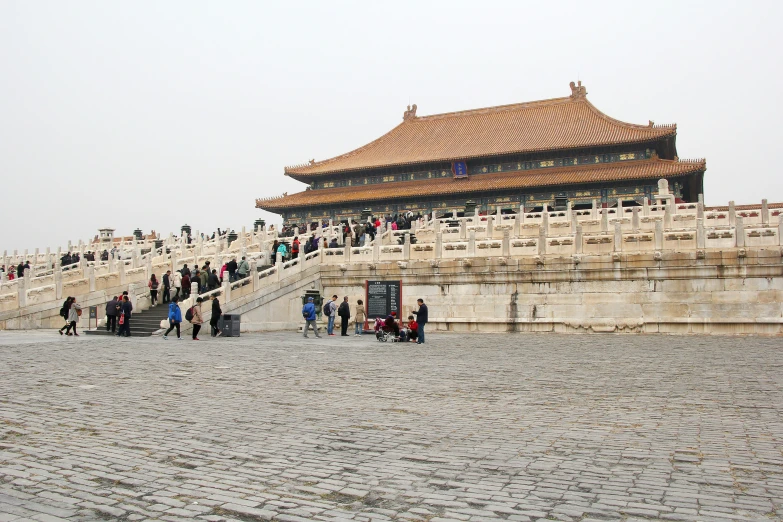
[413,331]
[15,271]
[194,316]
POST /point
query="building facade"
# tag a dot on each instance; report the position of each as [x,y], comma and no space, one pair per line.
[553,152]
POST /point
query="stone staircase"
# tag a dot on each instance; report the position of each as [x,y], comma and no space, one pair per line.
[143,324]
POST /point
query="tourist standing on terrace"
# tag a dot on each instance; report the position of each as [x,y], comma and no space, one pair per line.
[345,314]
[308,312]
[73,317]
[282,250]
[153,284]
[422,316]
[295,248]
[185,281]
[177,282]
[243,268]
[231,266]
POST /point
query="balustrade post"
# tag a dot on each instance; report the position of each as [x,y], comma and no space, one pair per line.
[406,246]
[618,237]
[544,222]
[91,276]
[605,220]
[227,289]
[780,228]
[578,238]
[594,210]
[347,250]
[739,232]
[463,228]
[764,212]
[667,213]
[472,243]
[506,249]
[517,222]
[700,240]
[732,214]
[490,225]
[58,284]
[121,268]
[542,235]
[376,253]
[193,291]
[658,235]
[254,273]
[700,207]
[21,288]
[635,224]
[438,245]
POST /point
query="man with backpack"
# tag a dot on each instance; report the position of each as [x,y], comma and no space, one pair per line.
[330,309]
[308,312]
[66,308]
[194,316]
[175,318]
[344,311]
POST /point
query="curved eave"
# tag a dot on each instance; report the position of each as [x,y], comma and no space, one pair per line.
[505,181]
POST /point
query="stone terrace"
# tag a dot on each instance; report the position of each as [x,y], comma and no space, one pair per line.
[515,427]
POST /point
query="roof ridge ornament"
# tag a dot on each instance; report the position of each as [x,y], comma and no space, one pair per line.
[410,113]
[577,91]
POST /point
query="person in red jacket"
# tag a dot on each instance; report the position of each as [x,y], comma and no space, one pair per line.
[413,329]
[295,248]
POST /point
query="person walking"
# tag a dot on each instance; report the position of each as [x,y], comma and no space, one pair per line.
[198,318]
[177,282]
[344,311]
[153,284]
[73,317]
[111,315]
[167,286]
[360,317]
[330,310]
[64,311]
[308,312]
[126,309]
[185,286]
[243,268]
[214,280]
[231,266]
[213,321]
[295,248]
[282,249]
[203,277]
[421,319]
[175,319]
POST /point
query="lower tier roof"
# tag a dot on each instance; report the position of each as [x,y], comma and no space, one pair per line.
[653,168]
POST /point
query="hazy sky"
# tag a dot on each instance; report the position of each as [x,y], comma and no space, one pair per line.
[153,114]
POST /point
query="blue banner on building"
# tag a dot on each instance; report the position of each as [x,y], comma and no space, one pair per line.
[459,169]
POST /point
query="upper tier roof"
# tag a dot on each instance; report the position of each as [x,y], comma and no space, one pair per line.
[560,123]
[652,169]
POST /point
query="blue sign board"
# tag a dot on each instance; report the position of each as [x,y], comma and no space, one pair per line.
[460,169]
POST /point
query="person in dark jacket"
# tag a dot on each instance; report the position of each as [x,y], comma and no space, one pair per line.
[213,321]
[344,311]
[214,280]
[231,267]
[125,310]
[111,315]
[64,314]
[20,270]
[421,318]
[167,286]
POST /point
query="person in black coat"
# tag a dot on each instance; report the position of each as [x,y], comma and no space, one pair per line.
[213,322]
[421,318]
[125,310]
[344,311]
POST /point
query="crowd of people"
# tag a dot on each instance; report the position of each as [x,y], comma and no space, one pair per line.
[412,331]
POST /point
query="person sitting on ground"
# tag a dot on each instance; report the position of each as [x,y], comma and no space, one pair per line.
[413,329]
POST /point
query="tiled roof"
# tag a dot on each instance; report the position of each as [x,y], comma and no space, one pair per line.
[646,169]
[560,123]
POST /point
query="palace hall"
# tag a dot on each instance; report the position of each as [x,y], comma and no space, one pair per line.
[526,155]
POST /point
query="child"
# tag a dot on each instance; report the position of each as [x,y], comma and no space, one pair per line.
[413,329]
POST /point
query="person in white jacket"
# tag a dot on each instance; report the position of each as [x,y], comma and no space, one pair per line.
[177,282]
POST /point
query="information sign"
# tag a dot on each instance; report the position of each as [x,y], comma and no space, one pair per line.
[93,312]
[383,298]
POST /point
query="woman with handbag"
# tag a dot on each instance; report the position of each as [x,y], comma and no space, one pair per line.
[153,284]
[73,317]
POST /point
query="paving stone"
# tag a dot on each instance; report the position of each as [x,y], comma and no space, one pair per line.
[472,427]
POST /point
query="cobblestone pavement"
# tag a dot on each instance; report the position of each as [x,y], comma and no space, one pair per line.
[476,427]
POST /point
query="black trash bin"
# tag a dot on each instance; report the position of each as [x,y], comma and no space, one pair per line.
[229,325]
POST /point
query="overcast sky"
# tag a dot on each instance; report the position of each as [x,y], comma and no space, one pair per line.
[152,114]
